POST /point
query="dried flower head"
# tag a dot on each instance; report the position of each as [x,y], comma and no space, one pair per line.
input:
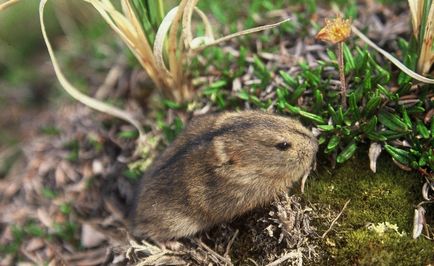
[335,31]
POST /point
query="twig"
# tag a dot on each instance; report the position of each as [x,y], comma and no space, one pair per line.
[220,257]
[290,255]
[342,74]
[228,247]
[7,4]
[334,221]
[253,261]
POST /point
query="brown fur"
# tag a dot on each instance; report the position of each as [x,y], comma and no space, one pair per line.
[220,167]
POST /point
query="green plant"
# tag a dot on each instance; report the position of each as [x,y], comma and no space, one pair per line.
[375,113]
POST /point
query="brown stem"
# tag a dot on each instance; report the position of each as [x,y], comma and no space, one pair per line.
[342,74]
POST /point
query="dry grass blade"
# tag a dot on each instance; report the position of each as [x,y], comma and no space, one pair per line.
[426,56]
[335,219]
[240,33]
[7,4]
[160,38]
[416,15]
[209,35]
[296,254]
[418,10]
[392,59]
[74,92]
[129,29]
[188,37]
[186,22]
[176,54]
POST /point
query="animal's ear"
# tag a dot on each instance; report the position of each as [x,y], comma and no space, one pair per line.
[223,155]
[231,161]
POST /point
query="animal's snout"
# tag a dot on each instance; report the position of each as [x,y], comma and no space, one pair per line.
[304,153]
[308,151]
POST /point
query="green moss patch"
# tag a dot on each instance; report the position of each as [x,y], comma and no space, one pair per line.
[378,201]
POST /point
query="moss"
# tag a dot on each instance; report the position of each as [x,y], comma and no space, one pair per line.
[387,196]
[364,247]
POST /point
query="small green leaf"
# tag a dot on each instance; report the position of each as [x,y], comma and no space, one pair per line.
[353,102]
[318,96]
[313,79]
[244,95]
[261,68]
[369,127]
[392,121]
[326,128]
[372,104]
[383,72]
[340,116]
[414,152]
[353,111]
[349,59]
[386,92]
[398,154]
[367,82]
[347,153]
[376,136]
[171,104]
[361,59]
[313,117]
[331,55]
[416,109]
[422,161]
[255,100]
[422,129]
[214,87]
[390,134]
[346,131]
[290,81]
[128,134]
[65,208]
[406,118]
[331,109]
[292,109]
[281,93]
[332,144]
[298,92]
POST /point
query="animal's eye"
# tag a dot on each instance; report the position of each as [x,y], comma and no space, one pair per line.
[283,146]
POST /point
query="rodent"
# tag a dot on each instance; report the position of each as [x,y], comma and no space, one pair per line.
[219,167]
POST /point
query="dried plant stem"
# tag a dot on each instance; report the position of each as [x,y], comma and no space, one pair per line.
[334,221]
[291,255]
[7,4]
[240,33]
[342,74]
[75,93]
[176,53]
[228,247]
[391,58]
[210,250]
